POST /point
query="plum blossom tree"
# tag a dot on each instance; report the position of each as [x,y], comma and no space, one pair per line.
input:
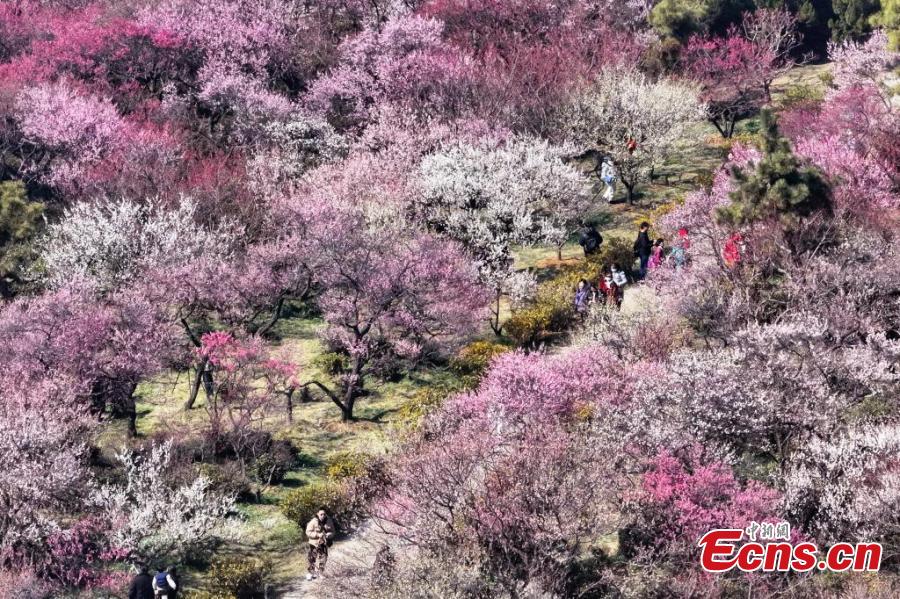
[858,63]
[489,197]
[633,120]
[248,385]
[153,517]
[389,295]
[684,495]
[404,63]
[103,348]
[65,131]
[776,31]
[43,455]
[505,476]
[110,243]
[732,72]
[846,486]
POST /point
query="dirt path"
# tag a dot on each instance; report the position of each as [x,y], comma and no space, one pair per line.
[355,553]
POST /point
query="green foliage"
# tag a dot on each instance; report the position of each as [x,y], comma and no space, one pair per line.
[852,18]
[552,312]
[473,360]
[424,402]
[682,18]
[332,363]
[236,578]
[801,95]
[779,186]
[271,467]
[299,506]
[20,222]
[889,20]
[347,464]
[226,478]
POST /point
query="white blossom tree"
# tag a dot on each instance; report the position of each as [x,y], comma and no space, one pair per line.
[156,517]
[490,197]
[110,242]
[633,120]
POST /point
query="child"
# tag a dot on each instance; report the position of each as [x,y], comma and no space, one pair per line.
[607,287]
[656,255]
[619,281]
[583,297]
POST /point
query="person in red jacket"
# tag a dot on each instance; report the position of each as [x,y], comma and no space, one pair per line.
[731,253]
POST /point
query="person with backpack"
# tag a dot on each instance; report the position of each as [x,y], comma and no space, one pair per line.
[320,534]
[589,239]
[643,247]
[165,583]
[141,585]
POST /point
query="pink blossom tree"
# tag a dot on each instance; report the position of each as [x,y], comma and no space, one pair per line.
[102,347]
[732,71]
[388,294]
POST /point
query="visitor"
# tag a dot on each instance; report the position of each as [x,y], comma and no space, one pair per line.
[608,176]
[165,583]
[606,287]
[620,280]
[589,239]
[731,254]
[656,255]
[583,297]
[320,533]
[678,255]
[642,248]
[141,584]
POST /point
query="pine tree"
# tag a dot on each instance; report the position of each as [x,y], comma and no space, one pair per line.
[780,186]
[20,221]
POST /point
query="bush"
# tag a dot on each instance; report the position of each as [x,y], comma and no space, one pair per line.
[424,402]
[347,464]
[473,360]
[236,578]
[301,505]
[271,467]
[332,363]
[800,96]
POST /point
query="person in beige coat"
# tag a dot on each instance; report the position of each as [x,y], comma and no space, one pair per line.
[319,532]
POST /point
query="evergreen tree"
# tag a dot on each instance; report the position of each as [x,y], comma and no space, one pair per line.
[20,221]
[779,186]
[852,18]
[889,19]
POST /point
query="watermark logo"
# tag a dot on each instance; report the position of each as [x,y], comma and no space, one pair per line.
[767,547]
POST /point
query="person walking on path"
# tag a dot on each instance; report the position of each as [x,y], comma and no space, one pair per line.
[141,585]
[589,239]
[643,247]
[608,175]
[319,533]
[165,583]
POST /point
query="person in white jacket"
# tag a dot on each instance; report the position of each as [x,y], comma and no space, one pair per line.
[608,175]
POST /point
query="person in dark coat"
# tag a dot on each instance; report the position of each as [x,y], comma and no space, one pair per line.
[141,585]
[643,247]
[589,239]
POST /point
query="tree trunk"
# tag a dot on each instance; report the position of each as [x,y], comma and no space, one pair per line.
[559,252]
[354,387]
[131,411]
[495,319]
[195,386]
[630,189]
[289,405]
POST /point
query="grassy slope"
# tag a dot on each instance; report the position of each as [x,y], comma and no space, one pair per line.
[317,431]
